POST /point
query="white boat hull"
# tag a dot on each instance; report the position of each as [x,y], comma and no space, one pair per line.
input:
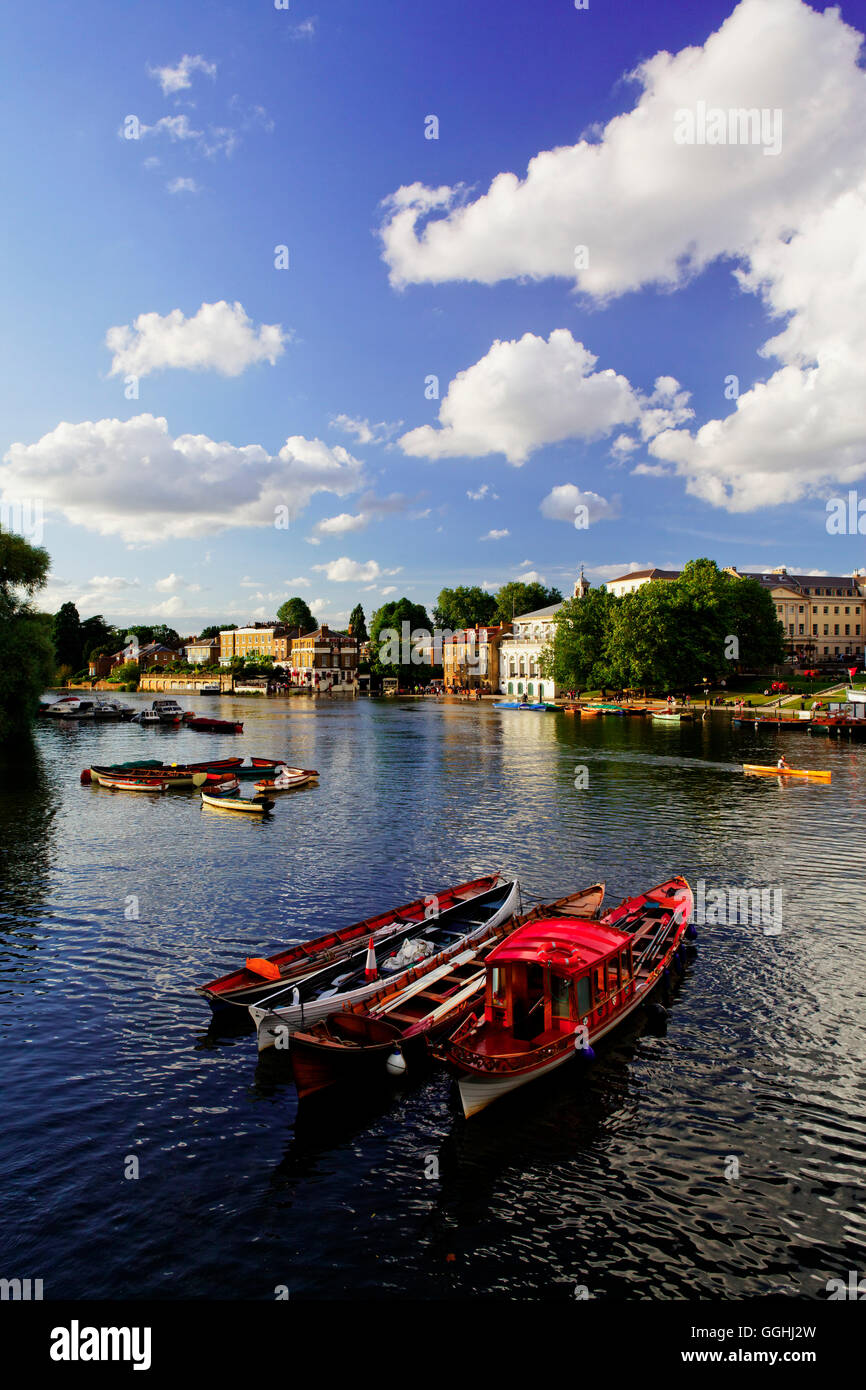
[477,1092]
[273,1026]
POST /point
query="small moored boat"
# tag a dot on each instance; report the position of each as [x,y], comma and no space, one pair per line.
[133,784]
[286,779]
[261,976]
[256,806]
[204,725]
[347,981]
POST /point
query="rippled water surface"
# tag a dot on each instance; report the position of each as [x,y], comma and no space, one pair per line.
[615,1177]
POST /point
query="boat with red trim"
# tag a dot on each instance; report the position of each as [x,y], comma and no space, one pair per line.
[555,986]
[385,1032]
[435,938]
[261,976]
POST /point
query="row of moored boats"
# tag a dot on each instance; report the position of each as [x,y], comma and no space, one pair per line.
[217,780]
[501,996]
[162,712]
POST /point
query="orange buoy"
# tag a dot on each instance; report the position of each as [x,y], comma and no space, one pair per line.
[370,970]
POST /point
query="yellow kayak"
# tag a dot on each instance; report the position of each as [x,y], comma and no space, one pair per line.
[786,772]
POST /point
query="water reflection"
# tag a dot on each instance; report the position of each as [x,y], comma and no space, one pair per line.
[112,1050]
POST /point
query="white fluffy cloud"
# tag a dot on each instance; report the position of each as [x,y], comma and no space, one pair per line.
[218,337]
[522,395]
[178,78]
[183,186]
[365,432]
[561,504]
[344,570]
[371,508]
[131,478]
[339,525]
[495,535]
[651,211]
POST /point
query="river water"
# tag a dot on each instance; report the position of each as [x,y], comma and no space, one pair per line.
[722,1159]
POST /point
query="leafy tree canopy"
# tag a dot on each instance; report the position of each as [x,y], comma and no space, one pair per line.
[358,623]
[464,607]
[666,635]
[389,620]
[26,649]
[516,598]
[295,612]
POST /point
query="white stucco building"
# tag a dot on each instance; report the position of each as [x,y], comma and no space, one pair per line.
[519,655]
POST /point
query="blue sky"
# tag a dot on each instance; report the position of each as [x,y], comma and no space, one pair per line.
[261,128]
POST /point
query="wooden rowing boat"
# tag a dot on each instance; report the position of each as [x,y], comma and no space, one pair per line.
[133,784]
[754,770]
[391,1028]
[260,976]
[557,985]
[288,779]
[171,776]
[254,807]
[328,988]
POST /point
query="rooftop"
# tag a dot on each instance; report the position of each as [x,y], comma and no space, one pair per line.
[569,944]
[538,615]
[646,574]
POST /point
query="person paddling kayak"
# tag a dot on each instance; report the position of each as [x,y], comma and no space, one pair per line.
[782,764]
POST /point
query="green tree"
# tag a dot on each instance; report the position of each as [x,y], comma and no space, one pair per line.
[756,626]
[126,673]
[67,636]
[358,623]
[97,633]
[166,635]
[516,598]
[26,649]
[464,607]
[296,613]
[215,629]
[577,658]
[389,647]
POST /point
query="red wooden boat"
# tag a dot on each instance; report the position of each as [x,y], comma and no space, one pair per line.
[556,985]
[260,977]
[215,726]
[390,1028]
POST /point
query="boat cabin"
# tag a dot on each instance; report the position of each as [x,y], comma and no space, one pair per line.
[552,975]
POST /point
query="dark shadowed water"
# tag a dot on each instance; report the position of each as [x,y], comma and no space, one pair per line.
[621,1177]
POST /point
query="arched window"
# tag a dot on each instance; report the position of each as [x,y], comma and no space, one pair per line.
[529,688]
[520,687]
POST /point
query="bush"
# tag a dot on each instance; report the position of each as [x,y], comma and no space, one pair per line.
[127,671]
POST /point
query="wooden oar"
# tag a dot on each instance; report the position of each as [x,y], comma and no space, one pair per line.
[448,1005]
[418,985]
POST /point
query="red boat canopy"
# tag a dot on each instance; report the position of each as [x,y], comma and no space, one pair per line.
[567,944]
